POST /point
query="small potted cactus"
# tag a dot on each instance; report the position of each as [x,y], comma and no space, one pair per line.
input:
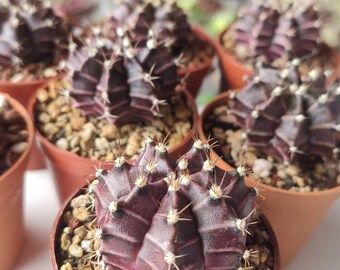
[274,32]
[168,24]
[287,126]
[32,41]
[16,138]
[117,94]
[160,213]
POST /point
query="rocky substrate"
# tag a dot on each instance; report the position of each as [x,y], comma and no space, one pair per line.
[29,73]
[95,138]
[77,242]
[309,176]
[13,135]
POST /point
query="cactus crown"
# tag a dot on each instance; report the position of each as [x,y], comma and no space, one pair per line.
[287,116]
[273,29]
[119,81]
[166,214]
[29,32]
[168,23]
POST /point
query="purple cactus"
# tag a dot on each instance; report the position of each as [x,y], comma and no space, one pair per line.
[288,117]
[158,213]
[120,82]
[29,32]
[162,21]
[275,29]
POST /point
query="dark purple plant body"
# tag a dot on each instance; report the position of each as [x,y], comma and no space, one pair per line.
[121,82]
[289,118]
[274,29]
[29,32]
[162,21]
[162,214]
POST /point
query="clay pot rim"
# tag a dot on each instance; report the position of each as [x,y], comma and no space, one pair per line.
[235,62]
[30,128]
[57,223]
[208,108]
[190,102]
[203,36]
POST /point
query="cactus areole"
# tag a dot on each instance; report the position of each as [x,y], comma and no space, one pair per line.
[30,32]
[289,117]
[269,30]
[158,213]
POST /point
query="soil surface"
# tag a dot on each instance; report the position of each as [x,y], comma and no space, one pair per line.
[13,135]
[95,138]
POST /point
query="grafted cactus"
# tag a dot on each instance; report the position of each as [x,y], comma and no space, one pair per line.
[287,117]
[272,29]
[120,82]
[168,23]
[163,214]
[29,32]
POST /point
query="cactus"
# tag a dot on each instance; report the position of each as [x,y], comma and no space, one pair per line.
[120,82]
[158,213]
[29,32]
[289,117]
[168,23]
[273,30]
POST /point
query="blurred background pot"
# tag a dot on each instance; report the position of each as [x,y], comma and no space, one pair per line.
[11,198]
[195,76]
[24,92]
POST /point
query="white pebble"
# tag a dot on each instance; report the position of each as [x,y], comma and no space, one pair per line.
[62,143]
[86,245]
[262,167]
[49,73]
[19,147]
[17,78]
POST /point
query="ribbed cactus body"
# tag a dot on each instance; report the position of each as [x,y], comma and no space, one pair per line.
[120,82]
[29,32]
[162,214]
[289,118]
[163,21]
[275,29]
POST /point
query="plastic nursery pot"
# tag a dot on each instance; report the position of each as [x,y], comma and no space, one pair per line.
[234,71]
[70,170]
[58,224]
[11,198]
[293,215]
[195,76]
[24,92]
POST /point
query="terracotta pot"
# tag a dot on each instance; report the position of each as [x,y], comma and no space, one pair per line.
[58,223]
[195,76]
[11,199]
[234,71]
[24,92]
[70,170]
[293,215]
